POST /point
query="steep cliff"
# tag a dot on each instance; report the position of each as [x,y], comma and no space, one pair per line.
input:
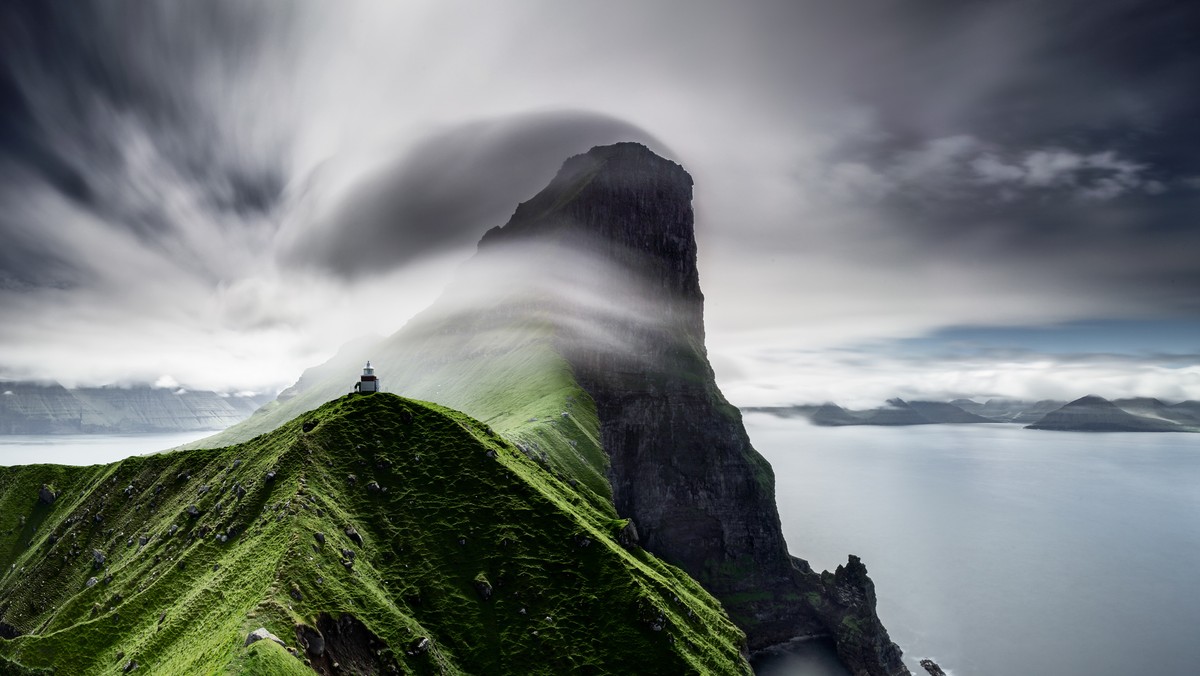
[577,333]
[681,464]
[32,408]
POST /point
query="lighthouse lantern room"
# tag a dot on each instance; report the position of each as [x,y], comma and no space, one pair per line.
[368,382]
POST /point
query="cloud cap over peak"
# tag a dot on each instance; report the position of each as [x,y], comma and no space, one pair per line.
[448,189]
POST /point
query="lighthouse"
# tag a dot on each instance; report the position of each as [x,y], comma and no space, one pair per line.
[368,382]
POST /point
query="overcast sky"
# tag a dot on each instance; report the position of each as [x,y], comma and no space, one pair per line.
[914,198]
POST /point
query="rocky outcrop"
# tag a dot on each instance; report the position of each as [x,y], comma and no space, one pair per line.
[681,464]
[35,408]
[261,634]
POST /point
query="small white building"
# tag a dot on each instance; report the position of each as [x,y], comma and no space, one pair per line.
[368,382]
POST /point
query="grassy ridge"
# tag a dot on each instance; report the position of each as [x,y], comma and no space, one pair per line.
[503,372]
[503,564]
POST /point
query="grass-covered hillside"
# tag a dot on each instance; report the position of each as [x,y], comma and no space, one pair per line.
[377,534]
[502,371]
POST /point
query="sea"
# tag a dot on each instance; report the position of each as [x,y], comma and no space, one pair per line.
[86,449]
[997,550]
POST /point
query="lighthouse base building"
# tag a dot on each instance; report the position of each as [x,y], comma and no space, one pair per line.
[368,383]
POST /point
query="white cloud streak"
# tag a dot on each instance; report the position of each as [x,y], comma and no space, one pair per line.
[869,377]
[966,168]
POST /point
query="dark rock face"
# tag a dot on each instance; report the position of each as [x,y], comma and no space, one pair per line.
[849,609]
[628,537]
[345,646]
[484,589]
[682,465]
[311,640]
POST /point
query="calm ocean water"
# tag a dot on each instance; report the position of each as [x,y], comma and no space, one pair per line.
[86,449]
[997,550]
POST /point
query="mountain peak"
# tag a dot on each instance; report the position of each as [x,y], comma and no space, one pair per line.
[622,157]
[625,150]
[622,192]
[1091,400]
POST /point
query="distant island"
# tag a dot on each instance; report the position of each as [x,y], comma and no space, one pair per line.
[50,408]
[1086,414]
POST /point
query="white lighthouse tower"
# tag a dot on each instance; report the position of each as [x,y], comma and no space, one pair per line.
[368,382]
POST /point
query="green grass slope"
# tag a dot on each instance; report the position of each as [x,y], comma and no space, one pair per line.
[445,550]
[502,371]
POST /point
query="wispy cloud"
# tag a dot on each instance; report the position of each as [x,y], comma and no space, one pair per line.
[964,168]
[869,377]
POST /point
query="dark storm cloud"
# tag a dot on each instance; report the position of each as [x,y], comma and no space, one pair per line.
[1050,140]
[103,103]
[1020,72]
[1093,216]
[449,189]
